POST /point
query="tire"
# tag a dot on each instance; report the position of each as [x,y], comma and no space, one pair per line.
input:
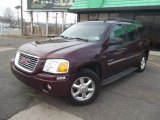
[142,63]
[85,88]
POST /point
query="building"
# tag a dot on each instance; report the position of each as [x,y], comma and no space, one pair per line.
[147,11]
[48,6]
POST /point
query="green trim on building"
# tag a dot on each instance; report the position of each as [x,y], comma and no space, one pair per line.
[90,4]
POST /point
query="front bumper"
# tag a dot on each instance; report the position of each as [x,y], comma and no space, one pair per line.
[39,82]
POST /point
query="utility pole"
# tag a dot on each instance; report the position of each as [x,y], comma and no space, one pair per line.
[46,23]
[18,18]
[1,29]
[22,17]
[63,21]
[31,22]
[56,24]
[18,7]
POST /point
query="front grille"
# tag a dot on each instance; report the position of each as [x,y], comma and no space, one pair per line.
[27,62]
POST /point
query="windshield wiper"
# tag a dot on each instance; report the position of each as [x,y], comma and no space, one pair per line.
[85,40]
[65,37]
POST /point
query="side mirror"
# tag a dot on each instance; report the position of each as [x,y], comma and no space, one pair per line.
[116,41]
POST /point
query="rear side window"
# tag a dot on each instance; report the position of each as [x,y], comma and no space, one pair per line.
[140,28]
[131,32]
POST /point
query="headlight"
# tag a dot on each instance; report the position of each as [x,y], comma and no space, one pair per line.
[16,58]
[56,66]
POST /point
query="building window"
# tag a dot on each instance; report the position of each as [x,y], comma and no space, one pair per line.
[157,20]
[103,16]
[93,16]
[83,17]
[145,19]
[68,1]
[113,15]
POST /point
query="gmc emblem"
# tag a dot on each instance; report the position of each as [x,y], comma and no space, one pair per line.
[24,60]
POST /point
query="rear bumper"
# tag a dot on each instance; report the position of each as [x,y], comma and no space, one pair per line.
[39,81]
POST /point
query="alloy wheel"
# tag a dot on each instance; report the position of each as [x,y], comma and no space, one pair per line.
[143,63]
[83,88]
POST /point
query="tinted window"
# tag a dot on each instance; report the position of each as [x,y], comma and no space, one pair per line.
[91,31]
[117,31]
[131,32]
[140,28]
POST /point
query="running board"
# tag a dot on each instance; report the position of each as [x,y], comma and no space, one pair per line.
[118,76]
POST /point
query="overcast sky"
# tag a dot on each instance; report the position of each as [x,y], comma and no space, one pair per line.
[41,16]
[10,3]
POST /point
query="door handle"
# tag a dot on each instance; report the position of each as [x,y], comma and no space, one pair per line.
[122,49]
[119,52]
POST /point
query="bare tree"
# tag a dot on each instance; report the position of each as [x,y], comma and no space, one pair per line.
[9,16]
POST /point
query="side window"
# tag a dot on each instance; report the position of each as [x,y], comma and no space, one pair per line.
[117,31]
[131,32]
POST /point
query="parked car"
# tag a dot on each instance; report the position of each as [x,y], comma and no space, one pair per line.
[83,58]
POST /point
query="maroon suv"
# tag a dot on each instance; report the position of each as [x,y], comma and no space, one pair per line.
[83,58]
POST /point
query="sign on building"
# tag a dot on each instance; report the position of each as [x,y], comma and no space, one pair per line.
[49,4]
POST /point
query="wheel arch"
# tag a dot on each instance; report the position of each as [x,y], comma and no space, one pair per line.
[94,66]
[146,52]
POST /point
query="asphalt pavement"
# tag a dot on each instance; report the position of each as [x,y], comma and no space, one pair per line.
[135,97]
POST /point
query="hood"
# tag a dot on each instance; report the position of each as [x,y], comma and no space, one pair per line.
[46,48]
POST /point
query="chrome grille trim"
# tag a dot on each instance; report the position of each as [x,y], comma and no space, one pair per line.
[32,63]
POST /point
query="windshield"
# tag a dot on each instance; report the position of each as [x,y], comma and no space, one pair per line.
[91,31]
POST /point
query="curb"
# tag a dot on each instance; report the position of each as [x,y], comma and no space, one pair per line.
[155,53]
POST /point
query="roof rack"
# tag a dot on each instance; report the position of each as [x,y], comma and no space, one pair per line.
[116,19]
[121,20]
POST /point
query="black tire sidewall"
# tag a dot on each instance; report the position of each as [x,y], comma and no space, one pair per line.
[87,73]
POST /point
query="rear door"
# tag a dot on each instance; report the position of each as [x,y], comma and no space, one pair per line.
[133,42]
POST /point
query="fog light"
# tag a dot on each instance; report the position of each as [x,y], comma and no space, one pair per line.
[61,78]
[47,88]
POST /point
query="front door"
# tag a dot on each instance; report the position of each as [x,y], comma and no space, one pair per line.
[115,55]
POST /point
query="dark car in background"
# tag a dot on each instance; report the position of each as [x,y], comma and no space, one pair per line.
[83,58]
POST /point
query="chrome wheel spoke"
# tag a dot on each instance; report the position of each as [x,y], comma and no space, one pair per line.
[75,86]
[84,95]
[76,94]
[89,82]
[90,90]
[82,81]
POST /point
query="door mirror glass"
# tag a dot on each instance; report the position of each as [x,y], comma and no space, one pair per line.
[117,35]
[116,41]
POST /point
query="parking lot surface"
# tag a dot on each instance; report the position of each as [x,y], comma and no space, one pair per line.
[135,97]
